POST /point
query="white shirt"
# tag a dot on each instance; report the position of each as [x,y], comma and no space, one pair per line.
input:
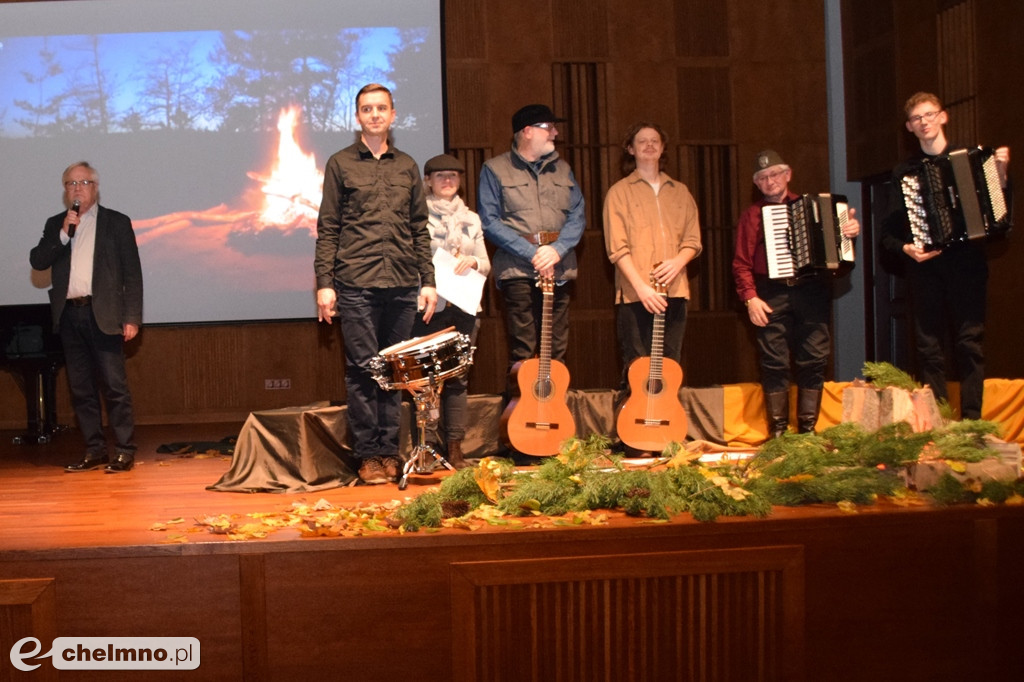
[83,248]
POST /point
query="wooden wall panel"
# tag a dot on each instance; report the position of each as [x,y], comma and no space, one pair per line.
[705,103]
[468,109]
[463,29]
[719,614]
[702,28]
[593,356]
[777,32]
[644,91]
[341,608]
[28,608]
[641,32]
[1000,80]
[517,32]
[579,29]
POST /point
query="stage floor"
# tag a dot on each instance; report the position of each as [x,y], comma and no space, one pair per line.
[470,604]
[44,508]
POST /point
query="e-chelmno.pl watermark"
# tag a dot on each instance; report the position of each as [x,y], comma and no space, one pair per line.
[109,653]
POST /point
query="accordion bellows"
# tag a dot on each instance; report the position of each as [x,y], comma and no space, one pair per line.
[954,197]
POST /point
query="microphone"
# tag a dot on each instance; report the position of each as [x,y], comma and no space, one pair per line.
[73,226]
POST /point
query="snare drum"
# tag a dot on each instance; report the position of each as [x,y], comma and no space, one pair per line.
[432,360]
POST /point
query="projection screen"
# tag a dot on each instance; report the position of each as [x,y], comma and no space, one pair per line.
[210,123]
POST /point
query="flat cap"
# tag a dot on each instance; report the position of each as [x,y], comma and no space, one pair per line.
[443,162]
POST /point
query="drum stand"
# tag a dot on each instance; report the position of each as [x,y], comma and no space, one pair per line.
[425,459]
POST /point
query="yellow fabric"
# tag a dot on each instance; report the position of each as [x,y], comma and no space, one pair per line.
[831,404]
[744,414]
[745,422]
[1003,403]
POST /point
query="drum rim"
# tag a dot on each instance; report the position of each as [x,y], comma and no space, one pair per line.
[435,342]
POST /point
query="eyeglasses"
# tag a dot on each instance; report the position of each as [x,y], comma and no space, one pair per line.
[543,126]
[75,183]
[770,175]
[928,117]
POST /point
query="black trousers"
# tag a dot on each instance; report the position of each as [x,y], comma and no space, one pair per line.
[949,295]
[635,328]
[797,332]
[523,307]
[95,364]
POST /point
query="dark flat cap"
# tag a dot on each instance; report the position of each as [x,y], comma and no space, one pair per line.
[443,162]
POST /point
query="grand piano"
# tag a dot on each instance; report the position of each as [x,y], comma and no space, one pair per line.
[33,353]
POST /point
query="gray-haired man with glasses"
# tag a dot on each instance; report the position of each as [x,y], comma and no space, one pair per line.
[791,315]
[532,211]
[96,300]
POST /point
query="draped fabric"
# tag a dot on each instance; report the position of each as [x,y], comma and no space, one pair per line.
[291,450]
[300,449]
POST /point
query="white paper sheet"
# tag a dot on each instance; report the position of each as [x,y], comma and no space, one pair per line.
[464,290]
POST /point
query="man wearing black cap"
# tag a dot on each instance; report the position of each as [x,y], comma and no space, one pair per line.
[791,316]
[532,211]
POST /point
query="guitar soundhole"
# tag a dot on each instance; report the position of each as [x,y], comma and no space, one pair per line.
[543,389]
[654,386]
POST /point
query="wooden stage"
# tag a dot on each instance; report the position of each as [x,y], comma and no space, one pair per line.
[886,593]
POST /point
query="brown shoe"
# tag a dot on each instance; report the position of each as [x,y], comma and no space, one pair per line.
[392,467]
[372,471]
[455,456]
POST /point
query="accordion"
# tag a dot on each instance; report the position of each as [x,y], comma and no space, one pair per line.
[806,234]
[954,197]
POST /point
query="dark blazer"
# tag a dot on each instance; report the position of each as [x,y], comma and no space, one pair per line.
[116,270]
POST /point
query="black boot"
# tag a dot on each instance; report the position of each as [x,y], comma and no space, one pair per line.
[808,403]
[776,407]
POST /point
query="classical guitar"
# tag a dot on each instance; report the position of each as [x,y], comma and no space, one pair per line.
[538,419]
[652,416]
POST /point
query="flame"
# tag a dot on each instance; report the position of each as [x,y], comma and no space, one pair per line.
[293,192]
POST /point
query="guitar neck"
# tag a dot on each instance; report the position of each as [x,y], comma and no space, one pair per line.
[544,366]
[657,345]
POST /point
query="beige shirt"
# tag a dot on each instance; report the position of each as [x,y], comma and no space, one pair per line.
[650,228]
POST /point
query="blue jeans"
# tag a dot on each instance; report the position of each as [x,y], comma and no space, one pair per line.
[373,319]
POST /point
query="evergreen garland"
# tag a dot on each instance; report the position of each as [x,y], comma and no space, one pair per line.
[892,446]
[842,464]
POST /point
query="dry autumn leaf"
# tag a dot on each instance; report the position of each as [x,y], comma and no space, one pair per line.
[486,476]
